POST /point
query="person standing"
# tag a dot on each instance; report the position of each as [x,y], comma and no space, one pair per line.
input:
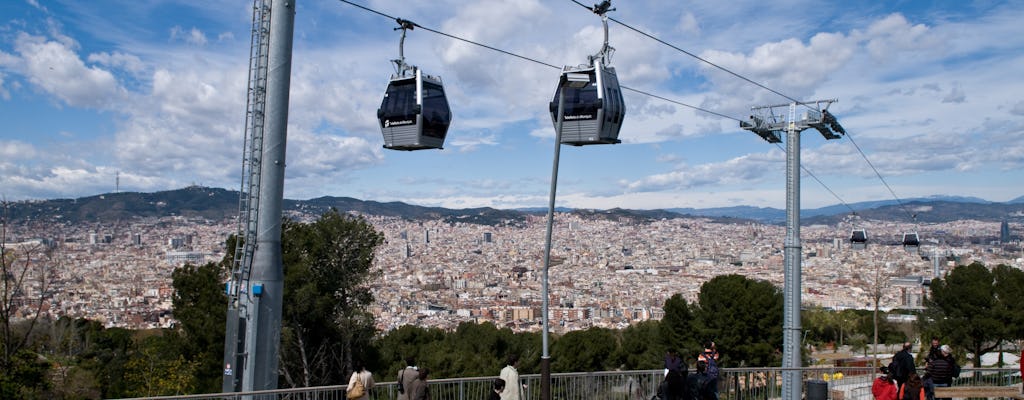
[510,374]
[934,351]
[943,368]
[361,377]
[497,387]
[912,389]
[698,385]
[418,389]
[884,388]
[406,376]
[710,358]
[903,365]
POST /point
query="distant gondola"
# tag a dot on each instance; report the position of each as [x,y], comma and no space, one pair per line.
[414,114]
[911,241]
[859,239]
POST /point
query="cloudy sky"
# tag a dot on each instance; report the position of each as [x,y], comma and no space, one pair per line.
[153,92]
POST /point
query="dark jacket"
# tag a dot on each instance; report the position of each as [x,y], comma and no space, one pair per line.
[903,365]
[698,387]
[942,370]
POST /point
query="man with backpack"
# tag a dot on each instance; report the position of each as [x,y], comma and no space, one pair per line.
[710,358]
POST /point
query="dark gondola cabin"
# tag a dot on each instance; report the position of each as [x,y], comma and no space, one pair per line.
[414,114]
[859,239]
[593,107]
[911,241]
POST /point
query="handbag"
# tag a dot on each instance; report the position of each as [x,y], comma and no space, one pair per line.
[356,390]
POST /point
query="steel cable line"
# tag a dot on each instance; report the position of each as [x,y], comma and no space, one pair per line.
[522,57]
[859,150]
[911,215]
[401,21]
[730,72]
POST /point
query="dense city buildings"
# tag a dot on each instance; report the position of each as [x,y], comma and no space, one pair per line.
[605,272]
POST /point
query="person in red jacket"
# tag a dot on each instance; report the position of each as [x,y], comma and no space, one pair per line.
[884,388]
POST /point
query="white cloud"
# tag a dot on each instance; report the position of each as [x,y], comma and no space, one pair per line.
[57,70]
[192,36]
[4,93]
[738,170]
[955,95]
[688,24]
[127,62]
[16,150]
[1018,109]
[893,38]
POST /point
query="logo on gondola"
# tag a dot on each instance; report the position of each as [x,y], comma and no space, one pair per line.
[575,117]
[389,123]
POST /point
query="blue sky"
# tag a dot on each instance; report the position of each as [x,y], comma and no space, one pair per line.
[154,92]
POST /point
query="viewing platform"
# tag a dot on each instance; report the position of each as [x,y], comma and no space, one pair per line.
[843,383]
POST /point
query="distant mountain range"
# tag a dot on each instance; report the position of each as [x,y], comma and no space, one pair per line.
[220,204]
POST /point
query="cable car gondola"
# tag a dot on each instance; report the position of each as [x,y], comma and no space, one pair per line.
[859,239]
[910,241]
[414,114]
[593,108]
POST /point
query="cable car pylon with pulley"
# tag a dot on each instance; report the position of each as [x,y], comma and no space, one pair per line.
[414,114]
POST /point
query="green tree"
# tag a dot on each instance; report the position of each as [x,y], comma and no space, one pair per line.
[327,276]
[107,357]
[158,369]
[964,309]
[395,346]
[589,350]
[641,346]
[24,283]
[743,317]
[1009,291]
[200,305]
[677,328]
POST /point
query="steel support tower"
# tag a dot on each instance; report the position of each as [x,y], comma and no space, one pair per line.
[770,126]
[255,287]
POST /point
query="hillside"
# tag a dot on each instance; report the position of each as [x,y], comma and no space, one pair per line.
[219,204]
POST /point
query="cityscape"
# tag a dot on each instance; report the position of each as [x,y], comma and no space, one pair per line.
[606,272]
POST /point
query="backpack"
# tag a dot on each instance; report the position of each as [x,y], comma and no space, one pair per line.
[712,369]
[401,389]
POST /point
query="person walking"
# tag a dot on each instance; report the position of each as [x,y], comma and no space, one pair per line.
[406,376]
[510,374]
[360,383]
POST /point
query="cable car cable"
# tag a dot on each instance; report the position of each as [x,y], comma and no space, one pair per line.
[400,21]
[864,156]
[808,171]
[893,193]
[695,56]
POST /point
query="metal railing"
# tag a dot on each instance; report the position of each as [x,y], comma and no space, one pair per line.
[848,383]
